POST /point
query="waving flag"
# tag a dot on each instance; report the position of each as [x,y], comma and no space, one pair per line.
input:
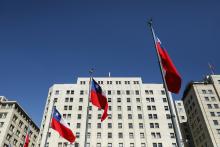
[61,126]
[27,138]
[98,99]
[172,76]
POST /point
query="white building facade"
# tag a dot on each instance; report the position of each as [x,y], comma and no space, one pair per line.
[202,105]
[14,123]
[138,114]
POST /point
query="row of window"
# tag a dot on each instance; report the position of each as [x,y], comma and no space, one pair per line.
[67,99]
[110,92]
[130,125]
[111,82]
[119,108]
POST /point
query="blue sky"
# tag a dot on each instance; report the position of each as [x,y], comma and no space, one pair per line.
[48,42]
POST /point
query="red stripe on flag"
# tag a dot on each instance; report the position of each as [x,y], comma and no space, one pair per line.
[63,131]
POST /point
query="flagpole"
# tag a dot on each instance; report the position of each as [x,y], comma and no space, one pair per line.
[49,124]
[174,122]
[87,113]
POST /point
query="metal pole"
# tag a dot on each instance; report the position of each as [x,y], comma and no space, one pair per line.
[178,140]
[49,124]
[87,113]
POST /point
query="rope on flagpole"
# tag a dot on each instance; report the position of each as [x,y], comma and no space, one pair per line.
[173,119]
[87,113]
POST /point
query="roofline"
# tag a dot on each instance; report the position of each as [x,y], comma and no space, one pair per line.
[29,118]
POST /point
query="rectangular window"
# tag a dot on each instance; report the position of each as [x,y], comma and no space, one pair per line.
[131,135]
[98,135]
[137,92]
[109,135]
[120,125]
[120,135]
[128,100]
[119,108]
[81,92]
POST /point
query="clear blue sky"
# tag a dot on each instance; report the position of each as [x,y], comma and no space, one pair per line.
[48,42]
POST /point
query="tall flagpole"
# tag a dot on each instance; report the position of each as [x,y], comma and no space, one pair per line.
[87,113]
[173,119]
[49,124]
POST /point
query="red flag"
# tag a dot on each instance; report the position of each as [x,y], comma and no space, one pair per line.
[172,77]
[98,99]
[27,138]
[61,126]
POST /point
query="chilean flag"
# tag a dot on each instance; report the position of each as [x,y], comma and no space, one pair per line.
[61,127]
[27,138]
[98,99]
[172,77]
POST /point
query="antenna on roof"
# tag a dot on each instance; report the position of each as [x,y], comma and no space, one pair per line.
[212,68]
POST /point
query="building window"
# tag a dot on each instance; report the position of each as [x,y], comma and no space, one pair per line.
[152,99]
[120,135]
[137,92]
[109,135]
[118,100]
[66,99]
[140,116]
[109,125]
[81,92]
[166,108]
[70,107]
[119,116]
[206,98]
[216,106]
[138,100]
[129,108]
[141,126]
[209,106]
[128,100]
[109,92]
[164,100]
[170,126]
[215,122]
[98,145]
[143,145]
[68,92]
[118,92]
[139,108]
[127,92]
[212,113]
[131,144]
[109,100]
[172,135]
[120,125]
[99,125]
[204,91]
[130,125]
[78,125]
[129,116]
[98,135]
[120,144]
[80,108]
[119,108]
[72,91]
[131,135]
[80,99]
[141,135]
[109,145]
[79,116]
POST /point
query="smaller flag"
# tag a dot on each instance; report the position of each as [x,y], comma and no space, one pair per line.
[98,98]
[172,77]
[59,125]
[27,138]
